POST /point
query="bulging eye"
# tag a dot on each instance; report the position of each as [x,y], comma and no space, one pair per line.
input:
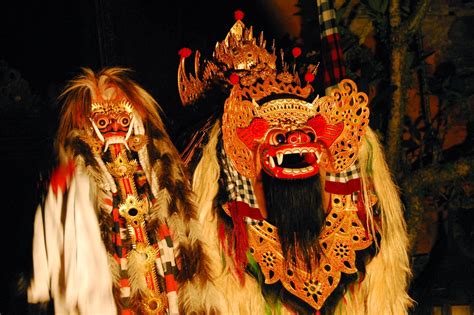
[278,138]
[310,133]
[124,121]
[102,122]
[311,136]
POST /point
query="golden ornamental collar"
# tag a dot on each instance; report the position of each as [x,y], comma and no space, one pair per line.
[343,234]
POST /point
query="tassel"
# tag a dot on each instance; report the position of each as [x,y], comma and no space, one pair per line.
[240,237]
[238,211]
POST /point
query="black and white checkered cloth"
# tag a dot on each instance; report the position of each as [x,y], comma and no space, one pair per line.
[238,187]
[352,172]
[327,18]
[332,57]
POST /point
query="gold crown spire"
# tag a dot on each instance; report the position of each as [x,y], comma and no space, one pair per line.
[112,107]
[239,53]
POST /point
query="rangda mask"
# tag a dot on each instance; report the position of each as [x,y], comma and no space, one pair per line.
[112,121]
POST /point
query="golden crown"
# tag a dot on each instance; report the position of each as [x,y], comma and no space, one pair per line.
[240,56]
[112,107]
[265,88]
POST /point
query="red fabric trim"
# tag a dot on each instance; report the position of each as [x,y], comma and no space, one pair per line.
[333,60]
[343,188]
[124,283]
[61,176]
[171,284]
[127,186]
[245,210]
[238,210]
[149,281]
[139,234]
[163,231]
[115,214]
[108,201]
[116,147]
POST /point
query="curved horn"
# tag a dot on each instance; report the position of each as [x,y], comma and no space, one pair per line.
[189,86]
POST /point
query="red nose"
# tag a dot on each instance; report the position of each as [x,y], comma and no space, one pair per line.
[297,137]
[115,126]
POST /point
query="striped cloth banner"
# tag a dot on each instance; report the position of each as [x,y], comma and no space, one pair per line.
[331,52]
[344,183]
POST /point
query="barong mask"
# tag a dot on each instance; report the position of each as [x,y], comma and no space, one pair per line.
[290,136]
[273,123]
[287,183]
[269,120]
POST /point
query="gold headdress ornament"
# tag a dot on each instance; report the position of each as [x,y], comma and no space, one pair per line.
[345,107]
[112,107]
[245,63]
[239,54]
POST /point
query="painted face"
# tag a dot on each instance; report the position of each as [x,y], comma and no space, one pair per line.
[290,154]
[289,149]
[288,137]
[112,121]
[112,124]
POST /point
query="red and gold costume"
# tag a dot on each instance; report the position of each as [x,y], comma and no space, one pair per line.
[117,222]
[300,210]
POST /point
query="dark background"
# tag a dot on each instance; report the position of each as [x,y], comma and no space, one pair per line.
[49,41]
[44,44]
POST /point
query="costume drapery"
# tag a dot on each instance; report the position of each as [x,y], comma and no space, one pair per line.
[116,232]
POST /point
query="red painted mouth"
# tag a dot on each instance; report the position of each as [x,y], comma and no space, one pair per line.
[114,134]
[291,161]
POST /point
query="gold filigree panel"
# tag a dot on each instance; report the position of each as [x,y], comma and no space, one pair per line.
[343,234]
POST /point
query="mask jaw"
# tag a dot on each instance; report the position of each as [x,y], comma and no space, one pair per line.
[290,161]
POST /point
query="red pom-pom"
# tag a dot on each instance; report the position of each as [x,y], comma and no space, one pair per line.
[309,77]
[296,51]
[234,78]
[238,15]
[184,52]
